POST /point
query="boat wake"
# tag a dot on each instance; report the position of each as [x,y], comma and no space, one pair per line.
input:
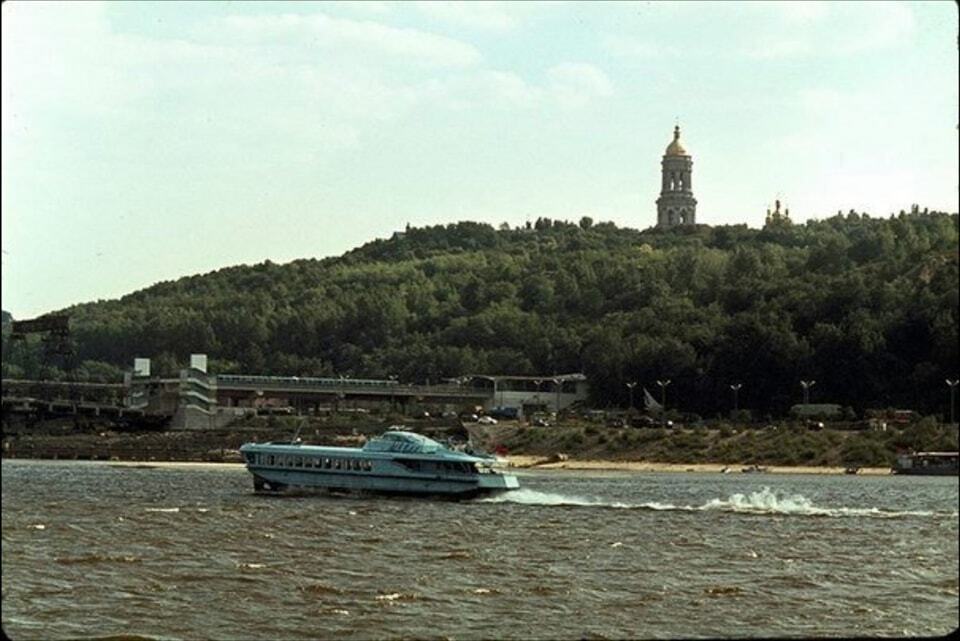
[533,497]
[762,502]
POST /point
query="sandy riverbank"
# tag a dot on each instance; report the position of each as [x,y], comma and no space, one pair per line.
[546,463]
[521,461]
[173,464]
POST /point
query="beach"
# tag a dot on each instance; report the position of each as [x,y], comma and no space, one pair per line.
[548,463]
[521,461]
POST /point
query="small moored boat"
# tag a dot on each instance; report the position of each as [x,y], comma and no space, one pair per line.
[397,462]
[928,463]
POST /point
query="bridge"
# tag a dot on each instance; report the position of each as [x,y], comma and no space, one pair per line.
[162,397]
[66,397]
[235,389]
[197,399]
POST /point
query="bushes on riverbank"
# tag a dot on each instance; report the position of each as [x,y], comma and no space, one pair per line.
[765,446]
[785,446]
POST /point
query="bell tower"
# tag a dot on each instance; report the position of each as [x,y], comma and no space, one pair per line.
[676,204]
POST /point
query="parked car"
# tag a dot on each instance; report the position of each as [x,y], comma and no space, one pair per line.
[487,420]
[540,422]
[508,413]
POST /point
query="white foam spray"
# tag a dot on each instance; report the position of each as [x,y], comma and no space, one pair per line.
[763,501]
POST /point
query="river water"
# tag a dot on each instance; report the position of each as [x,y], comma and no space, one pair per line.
[94,550]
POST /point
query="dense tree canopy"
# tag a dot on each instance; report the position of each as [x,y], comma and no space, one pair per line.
[868,307]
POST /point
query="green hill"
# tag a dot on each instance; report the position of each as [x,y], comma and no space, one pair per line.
[868,307]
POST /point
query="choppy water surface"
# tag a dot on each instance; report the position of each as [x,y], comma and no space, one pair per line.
[93,550]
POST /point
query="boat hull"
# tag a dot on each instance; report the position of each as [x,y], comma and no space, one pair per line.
[396,463]
[927,471]
[928,464]
[276,482]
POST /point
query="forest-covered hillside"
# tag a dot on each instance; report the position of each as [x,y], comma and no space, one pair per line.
[867,307]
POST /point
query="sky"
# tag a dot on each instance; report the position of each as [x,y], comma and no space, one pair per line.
[143,141]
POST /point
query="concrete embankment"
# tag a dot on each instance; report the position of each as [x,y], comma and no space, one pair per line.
[62,439]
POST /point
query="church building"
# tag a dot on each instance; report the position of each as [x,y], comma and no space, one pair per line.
[676,204]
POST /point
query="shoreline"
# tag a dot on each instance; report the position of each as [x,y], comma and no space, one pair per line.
[530,462]
[522,461]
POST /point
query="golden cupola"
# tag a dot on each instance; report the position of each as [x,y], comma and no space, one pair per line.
[675,148]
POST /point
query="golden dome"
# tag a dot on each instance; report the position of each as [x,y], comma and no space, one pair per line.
[675,148]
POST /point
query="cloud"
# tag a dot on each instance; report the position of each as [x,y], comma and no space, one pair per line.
[509,90]
[802,12]
[574,84]
[257,92]
[488,16]
[633,47]
[338,34]
[568,85]
[831,29]
[366,7]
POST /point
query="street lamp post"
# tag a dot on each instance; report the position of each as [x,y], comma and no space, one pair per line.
[736,393]
[806,390]
[663,394]
[953,397]
[557,382]
[630,387]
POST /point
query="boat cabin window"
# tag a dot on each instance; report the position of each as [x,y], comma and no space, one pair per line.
[326,463]
[367,466]
[336,464]
[413,466]
[269,459]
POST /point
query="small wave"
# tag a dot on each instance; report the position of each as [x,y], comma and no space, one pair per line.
[96,558]
[161,509]
[320,588]
[485,591]
[762,502]
[397,596]
[124,637]
[723,590]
